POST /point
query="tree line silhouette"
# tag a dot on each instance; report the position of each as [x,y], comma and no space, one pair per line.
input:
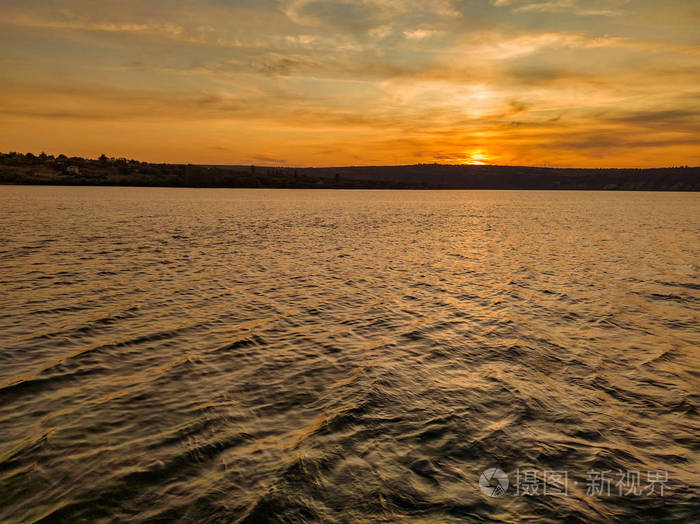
[28,168]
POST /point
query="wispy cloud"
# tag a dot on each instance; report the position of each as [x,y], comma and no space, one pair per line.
[422,34]
[559,6]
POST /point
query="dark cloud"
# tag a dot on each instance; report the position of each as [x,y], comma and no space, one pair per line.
[517,106]
[609,141]
[654,118]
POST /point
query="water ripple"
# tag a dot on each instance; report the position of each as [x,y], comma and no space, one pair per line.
[347,356]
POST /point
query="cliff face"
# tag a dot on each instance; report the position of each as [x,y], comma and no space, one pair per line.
[29,169]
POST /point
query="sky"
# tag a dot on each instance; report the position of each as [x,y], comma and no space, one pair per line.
[583,83]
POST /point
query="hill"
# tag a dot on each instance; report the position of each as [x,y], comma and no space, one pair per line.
[16,168]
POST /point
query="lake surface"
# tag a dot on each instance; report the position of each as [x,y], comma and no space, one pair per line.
[213,355]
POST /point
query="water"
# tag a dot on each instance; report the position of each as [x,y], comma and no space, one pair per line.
[344,356]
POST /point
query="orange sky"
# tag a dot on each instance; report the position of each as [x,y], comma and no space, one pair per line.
[354,82]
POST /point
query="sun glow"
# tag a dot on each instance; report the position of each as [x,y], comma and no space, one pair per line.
[477,158]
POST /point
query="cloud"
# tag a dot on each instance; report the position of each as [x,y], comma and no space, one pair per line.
[422,34]
[548,6]
[380,32]
[613,141]
[367,15]
[301,40]
[339,13]
[560,6]
[677,120]
[154,28]
[278,64]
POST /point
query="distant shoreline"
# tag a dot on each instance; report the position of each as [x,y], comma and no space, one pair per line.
[19,169]
[407,189]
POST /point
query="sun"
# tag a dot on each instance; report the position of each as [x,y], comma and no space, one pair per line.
[477,157]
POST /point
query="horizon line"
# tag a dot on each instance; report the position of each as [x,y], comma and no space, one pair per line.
[279,166]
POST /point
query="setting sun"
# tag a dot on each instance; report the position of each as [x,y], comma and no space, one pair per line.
[477,158]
